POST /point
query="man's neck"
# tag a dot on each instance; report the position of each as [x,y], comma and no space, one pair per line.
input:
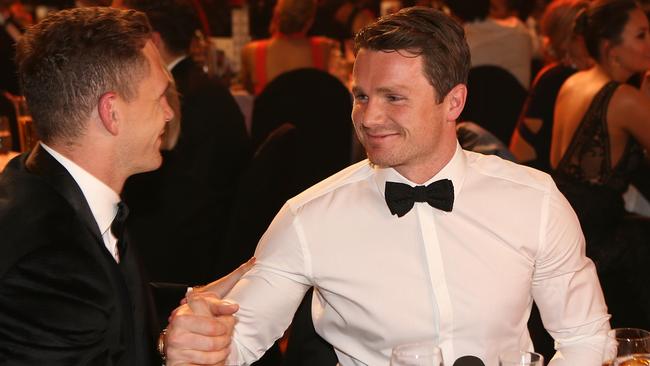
[421,172]
[94,161]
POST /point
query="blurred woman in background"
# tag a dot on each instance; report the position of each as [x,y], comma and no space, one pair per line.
[565,53]
[602,127]
[289,47]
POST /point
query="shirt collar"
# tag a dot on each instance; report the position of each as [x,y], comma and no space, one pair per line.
[454,170]
[100,197]
[175,62]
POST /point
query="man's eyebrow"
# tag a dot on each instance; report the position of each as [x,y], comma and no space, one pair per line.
[381,90]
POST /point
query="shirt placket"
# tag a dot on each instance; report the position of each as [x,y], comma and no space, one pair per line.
[437,278]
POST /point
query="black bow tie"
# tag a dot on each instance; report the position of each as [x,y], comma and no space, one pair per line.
[117,227]
[401,197]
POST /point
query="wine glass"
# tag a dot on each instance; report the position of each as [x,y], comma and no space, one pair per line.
[520,358]
[632,347]
[416,354]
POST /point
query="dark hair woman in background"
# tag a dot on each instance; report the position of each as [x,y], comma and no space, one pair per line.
[602,127]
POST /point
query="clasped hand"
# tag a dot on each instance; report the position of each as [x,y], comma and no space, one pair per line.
[200,329]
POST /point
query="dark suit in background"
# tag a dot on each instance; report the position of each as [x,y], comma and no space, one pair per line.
[178,212]
[64,300]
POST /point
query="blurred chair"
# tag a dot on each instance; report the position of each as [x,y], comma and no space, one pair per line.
[303,126]
[303,97]
[303,122]
[494,100]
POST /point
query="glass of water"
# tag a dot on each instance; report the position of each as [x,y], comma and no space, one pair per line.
[520,358]
[416,354]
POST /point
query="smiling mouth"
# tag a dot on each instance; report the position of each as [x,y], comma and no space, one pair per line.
[381,136]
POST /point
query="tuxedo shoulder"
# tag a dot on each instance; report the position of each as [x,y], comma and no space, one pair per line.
[340,180]
[31,221]
[494,167]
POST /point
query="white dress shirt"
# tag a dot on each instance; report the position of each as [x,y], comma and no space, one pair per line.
[101,198]
[466,279]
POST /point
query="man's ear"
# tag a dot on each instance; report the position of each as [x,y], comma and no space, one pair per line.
[108,113]
[157,40]
[455,101]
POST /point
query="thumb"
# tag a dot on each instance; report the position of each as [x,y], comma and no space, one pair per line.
[198,304]
[208,304]
[223,285]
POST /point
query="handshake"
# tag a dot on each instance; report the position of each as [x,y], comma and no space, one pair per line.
[200,329]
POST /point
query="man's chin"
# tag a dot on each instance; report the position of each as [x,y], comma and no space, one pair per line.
[378,162]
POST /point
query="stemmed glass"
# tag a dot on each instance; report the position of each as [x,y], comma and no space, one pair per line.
[416,354]
[633,347]
[520,358]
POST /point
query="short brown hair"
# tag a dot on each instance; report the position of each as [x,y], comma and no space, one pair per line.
[426,32]
[71,58]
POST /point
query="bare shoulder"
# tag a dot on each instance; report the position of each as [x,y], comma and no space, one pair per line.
[628,111]
[628,101]
[326,42]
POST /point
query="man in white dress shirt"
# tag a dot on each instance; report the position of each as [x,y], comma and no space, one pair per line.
[459,259]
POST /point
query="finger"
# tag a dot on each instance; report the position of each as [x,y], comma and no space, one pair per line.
[203,325]
[198,342]
[185,356]
[198,304]
[223,307]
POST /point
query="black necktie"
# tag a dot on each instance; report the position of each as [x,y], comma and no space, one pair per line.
[401,197]
[117,227]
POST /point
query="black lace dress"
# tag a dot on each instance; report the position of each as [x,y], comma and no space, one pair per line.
[617,241]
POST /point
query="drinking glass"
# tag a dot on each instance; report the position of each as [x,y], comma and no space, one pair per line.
[520,358]
[5,135]
[416,354]
[633,347]
[25,126]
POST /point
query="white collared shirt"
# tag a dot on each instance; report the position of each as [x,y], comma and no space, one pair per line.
[466,278]
[100,197]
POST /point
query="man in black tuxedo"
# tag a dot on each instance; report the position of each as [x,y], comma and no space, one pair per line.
[71,289]
[186,203]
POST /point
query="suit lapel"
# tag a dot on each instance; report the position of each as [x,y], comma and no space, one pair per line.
[41,163]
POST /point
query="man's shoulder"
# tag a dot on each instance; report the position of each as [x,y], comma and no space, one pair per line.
[341,180]
[494,168]
[32,215]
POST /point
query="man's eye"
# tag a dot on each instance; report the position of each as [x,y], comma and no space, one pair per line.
[394,98]
[361,98]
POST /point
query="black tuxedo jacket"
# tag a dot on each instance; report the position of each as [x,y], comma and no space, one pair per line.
[178,212]
[64,300]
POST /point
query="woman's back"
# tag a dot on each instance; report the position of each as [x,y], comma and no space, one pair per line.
[590,144]
[591,140]
[263,60]
[601,126]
